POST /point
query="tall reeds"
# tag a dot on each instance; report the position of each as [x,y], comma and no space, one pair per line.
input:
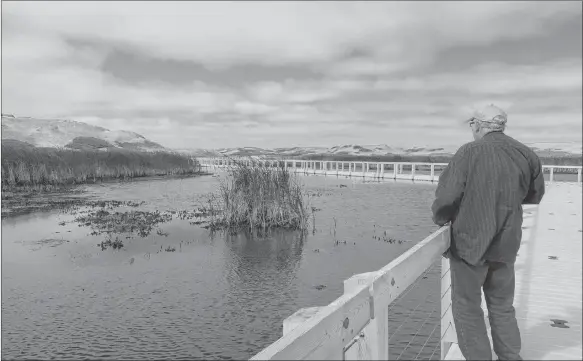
[256,197]
[26,168]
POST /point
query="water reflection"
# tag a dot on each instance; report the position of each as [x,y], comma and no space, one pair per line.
[257,252]
[262,282]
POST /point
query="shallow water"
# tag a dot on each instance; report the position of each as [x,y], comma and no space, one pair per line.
[219,297]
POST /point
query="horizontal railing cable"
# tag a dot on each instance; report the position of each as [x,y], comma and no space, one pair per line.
[415,311]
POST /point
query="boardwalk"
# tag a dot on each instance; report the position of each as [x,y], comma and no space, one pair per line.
[548,288]
[548,291]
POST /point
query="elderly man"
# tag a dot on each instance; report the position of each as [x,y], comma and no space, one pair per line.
[481,192]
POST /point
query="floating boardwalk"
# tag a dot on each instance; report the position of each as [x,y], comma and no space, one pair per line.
[548,298]
[414,171]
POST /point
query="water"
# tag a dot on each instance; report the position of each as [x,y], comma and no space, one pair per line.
[221,297]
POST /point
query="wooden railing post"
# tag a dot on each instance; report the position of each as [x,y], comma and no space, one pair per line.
[372,343]
[355,325]
[412,171]
[432,172]
[579,175]
[395,166]
[448,333]
[363,170]
[551,176]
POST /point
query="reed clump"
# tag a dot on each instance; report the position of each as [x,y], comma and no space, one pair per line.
[30,168]
[255,197]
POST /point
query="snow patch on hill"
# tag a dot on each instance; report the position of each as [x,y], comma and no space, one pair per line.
[556,149]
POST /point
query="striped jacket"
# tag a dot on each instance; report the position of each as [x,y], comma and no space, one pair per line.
[481,192]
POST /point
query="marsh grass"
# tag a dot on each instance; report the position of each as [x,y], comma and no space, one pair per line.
[45,169]
[255,197]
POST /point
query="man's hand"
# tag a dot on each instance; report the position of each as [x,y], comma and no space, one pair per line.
[439,222]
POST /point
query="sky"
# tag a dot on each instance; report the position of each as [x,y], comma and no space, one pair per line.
[283,74]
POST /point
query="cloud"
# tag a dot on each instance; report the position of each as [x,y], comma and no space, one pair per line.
[497,79]
[291,72]
[246,107]
[219,33]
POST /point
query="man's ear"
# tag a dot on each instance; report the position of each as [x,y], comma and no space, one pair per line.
[477,127]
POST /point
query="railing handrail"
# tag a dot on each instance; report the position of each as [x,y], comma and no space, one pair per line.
[375,162]
[563,166]
[327,332]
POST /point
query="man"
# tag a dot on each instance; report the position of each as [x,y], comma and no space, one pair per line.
[481,192]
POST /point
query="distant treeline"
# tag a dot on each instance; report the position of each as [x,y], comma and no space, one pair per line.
[25,167]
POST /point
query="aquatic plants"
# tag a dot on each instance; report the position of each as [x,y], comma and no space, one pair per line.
[139,222]
[115,244]
[256,197]
[31,168]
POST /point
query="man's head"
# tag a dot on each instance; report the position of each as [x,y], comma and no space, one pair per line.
[486,120]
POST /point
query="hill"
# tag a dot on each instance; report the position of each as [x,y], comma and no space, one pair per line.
[560,153]
[58,133]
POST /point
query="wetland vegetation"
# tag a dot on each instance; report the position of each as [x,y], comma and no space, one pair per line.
[26,168]
[255,197]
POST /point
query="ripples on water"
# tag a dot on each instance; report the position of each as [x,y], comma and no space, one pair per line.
[220,297]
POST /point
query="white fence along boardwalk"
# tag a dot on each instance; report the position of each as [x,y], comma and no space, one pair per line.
[548,286]
[414,171]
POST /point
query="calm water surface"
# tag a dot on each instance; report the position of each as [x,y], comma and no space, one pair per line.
[219,297]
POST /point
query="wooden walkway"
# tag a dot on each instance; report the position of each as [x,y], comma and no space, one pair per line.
[548,277]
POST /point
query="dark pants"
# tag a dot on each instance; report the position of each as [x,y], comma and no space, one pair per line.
[497,281]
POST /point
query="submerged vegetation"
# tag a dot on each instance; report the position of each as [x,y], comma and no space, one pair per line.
[26,168]
[140,222]
[256,197]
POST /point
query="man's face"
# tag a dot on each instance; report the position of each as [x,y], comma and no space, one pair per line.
[475,129]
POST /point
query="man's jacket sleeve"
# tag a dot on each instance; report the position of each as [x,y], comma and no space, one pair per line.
[450,188]
[537,183]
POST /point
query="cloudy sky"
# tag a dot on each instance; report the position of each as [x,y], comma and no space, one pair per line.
[227,74]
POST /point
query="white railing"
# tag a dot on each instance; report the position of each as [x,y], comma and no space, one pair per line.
[356,325]
[378,170]
[551,169]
